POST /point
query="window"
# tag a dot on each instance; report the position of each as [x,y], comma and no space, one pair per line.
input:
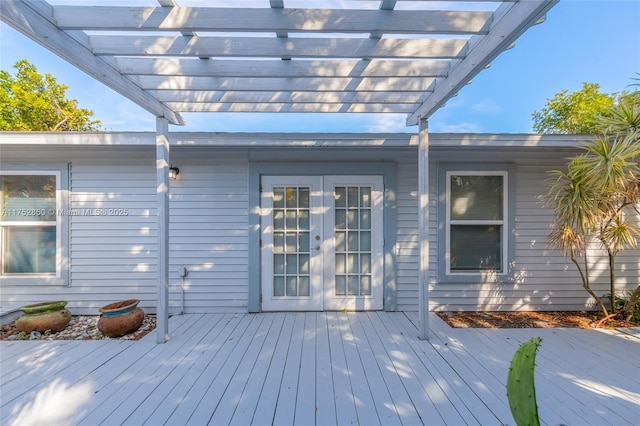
[31,227]
[475,223]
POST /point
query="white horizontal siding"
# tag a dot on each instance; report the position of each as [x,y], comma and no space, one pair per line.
[208,233]
[111,256]
[407,243]
[114,257]
[543,278]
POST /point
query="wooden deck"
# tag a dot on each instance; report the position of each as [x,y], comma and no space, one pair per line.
[317,368]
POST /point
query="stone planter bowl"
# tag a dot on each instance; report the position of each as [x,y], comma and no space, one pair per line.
[120,318]
[43,317]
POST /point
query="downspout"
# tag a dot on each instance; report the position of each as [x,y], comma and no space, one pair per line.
[162,191]
[423,230]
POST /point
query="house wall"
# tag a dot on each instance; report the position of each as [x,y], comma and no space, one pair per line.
[542,278]
[112,257]
[208,231]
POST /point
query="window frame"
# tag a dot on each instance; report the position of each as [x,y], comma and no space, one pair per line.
[445,171]
[61,275]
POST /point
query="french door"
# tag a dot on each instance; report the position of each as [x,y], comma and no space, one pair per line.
[322,243]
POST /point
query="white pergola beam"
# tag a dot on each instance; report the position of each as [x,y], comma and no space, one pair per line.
[513,20]
[272,20]
[320,84]
[31,19]
[248,96]
[271,47]
[350,107]
[191,67]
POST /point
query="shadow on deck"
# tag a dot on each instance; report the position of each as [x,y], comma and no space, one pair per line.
[317,368]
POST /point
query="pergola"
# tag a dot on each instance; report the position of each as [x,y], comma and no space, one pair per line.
[284,56]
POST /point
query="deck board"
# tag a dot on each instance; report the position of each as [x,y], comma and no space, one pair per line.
[472,410]
[398,394]
[325,406]
[317,368]
[202,364]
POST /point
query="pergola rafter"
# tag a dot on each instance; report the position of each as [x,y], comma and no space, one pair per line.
[265,20]
[401,57]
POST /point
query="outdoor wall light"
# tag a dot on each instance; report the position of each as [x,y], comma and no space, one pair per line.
[173,172]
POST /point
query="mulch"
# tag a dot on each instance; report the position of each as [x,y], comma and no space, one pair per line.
[552,319]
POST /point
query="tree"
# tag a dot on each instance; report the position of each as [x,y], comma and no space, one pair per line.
[575,112]
[30,101]
[597,199]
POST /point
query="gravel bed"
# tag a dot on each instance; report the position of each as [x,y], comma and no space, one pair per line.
[81,327]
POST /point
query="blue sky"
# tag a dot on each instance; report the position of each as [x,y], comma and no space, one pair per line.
[581,41]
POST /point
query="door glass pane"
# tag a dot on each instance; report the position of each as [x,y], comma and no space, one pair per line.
[278,219]
[365,241]
[340,197]
[353,196]
[278,286]
[292,286]
[365,285]
[341,285]
[353,285]
[292,242]
[365,219]
[291,270]
[341,219]
[292,264]
[352,219]
[292,219]
[304,286]
[303,219]
[278,264]
[278,197]
[365,263]
[352,264]
[278,242]
[341,263]
[341,241]
[303,261]
[291,197]
[365,197]
[303,241]
[353,241]
[303,199]
[353,247]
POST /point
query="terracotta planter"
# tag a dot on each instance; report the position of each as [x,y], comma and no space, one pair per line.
[120,318]
[44,316]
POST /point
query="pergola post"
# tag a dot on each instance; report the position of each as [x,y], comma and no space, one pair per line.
[162,190]
[423,229]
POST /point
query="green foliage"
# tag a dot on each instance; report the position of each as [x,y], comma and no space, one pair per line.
[574,112]
[598,197]
[521,390]
[23,335]
[30,101]
[621,302]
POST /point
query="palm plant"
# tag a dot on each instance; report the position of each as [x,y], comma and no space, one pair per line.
[598,197]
